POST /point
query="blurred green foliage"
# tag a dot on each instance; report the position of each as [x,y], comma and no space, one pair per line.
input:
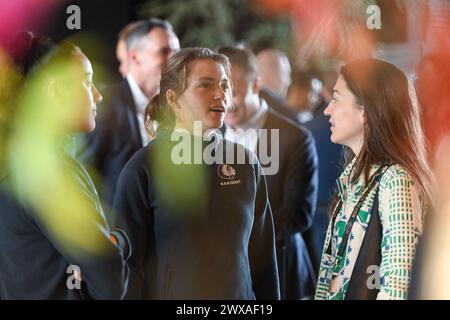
[221,22]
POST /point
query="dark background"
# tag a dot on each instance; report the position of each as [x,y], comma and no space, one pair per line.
[101,21]
[222,22]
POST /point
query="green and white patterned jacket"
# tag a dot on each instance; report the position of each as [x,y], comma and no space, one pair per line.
[401,211]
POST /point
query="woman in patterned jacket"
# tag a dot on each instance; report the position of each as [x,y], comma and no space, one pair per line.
[377,215]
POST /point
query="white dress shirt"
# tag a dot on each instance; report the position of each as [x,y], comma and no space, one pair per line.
[140,101]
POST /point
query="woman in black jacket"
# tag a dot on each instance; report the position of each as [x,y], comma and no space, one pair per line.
[195,228]
[54,242]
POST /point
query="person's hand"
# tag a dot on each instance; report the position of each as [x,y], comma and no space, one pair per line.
[77,275]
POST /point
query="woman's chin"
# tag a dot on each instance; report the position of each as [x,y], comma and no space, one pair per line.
[333,139]
[87,127]
[214,124]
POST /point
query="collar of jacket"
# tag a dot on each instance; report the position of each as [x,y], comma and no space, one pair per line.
[344,184]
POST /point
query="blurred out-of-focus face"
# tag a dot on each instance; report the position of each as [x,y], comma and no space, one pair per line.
[207,96]
[244,92]
[149,59]
[346,117]
[298,98]
[284,76]
[275,71]
[80,94]
[122,57]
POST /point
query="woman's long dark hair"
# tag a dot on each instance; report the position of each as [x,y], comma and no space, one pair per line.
[393,130]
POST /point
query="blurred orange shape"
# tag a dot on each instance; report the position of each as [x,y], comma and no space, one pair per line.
[274,8]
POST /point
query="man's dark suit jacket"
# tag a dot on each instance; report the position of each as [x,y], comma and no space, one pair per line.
[113,142]
[293,195]
[279,105]
[330,167]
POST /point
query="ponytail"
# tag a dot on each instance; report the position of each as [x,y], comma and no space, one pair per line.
[157,115]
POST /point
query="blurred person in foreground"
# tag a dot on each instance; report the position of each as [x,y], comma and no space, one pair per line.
[55,243]
[431,264]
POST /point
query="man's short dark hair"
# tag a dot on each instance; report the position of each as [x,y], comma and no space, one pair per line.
[143,27]
[243,58]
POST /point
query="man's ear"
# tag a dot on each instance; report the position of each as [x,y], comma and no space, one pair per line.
[171,98]
[133,56]
[257,83]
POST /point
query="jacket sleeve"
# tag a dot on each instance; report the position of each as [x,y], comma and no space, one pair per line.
[131,214]
[299,189]
[401,215]
[102,268]
[262,252]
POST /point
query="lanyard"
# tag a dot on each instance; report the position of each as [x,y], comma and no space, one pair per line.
[354,214]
